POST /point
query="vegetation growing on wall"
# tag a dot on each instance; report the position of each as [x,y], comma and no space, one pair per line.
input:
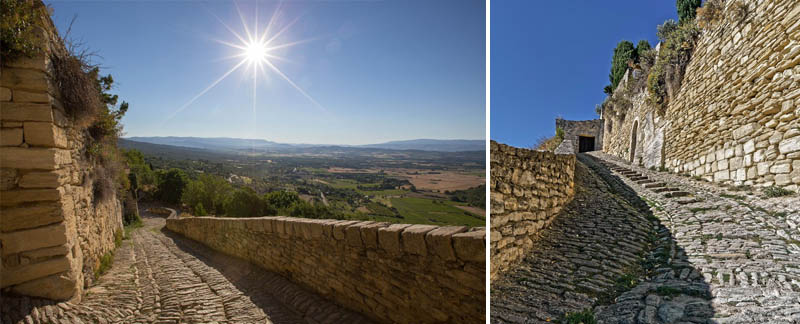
[687,9]
[677,44]
[19,34]
[550,143]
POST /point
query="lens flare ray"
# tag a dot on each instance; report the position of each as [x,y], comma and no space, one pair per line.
[256,52]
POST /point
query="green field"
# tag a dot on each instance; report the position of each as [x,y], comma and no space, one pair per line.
[426,211]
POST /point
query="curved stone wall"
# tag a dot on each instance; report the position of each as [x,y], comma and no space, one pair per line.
[528,188]
[393,273]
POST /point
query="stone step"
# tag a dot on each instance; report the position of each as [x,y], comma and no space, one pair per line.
[645,181]
[665,189]
[674,194]
[655,185]
[638,178]
[686,200]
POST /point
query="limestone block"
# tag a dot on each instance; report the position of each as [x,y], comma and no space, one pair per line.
[59,286]
[780,168]
[46,252]
[745,130]
[789,145]
[16,197]
[44,134]
[763,168]
[470,246]
[32,96]
[25,79]
[414,239]
[39,62]
[722,175]
[5,94]
[389,237]
[33,158]
[30,216]
[10,136]
[369,234]
[26,112]
[783,179]
[353,234]
[44,179]
[339,229]
[439,241]
[749,146]
[32,239]
[33,271]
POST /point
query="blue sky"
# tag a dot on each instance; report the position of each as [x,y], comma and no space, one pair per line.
[380,70]
[552,58]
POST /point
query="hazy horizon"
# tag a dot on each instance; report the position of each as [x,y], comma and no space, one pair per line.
[339,72]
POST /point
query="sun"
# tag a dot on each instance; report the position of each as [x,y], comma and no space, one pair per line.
[255,52]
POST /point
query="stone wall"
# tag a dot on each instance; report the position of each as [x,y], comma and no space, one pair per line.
[394,273]
[736,117]
[573,129]
[52,231]
[528,188]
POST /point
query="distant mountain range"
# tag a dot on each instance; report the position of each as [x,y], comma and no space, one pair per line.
[234,144]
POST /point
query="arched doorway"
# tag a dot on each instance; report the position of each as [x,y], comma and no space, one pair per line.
[633,140]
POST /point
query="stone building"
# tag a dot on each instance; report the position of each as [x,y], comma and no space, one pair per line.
[585,135]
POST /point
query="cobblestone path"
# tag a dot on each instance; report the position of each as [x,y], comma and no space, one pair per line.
[638,246]
[160,277]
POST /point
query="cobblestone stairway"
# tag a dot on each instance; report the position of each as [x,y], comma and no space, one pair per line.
[160,277]
[704,254]
[745,246]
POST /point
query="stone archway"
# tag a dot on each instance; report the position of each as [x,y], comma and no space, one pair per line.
[633,140]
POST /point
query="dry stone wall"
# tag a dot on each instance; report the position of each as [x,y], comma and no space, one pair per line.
[394,273]
[736,117]
[528,188]
[53,231]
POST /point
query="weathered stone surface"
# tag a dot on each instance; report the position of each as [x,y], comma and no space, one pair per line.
[30,216]
[17,197]
[5,94]
[32,158]
[414,239]
[440,241]
[10,136]
[32,271]
[26,79]
[56,287]
[389,237]
[527,189]
[47,179]
[44,134]
[32,239]
[32,97]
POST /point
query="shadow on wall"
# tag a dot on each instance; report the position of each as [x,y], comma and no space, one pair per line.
[281,300]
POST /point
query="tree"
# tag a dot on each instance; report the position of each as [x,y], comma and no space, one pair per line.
[199,210]
[687,9]
[281,199]
[619,63]
[642,47]
[245,202]
[171,185]
[210,190]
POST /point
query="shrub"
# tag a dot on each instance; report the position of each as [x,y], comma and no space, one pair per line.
[623,53]
[199,210]
[245,202]
[281,199]
[775,191]
[19,34]
[665,77]
[687,9]
[583,317]
[710,14]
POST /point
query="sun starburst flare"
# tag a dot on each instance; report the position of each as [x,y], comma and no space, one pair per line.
[257,53]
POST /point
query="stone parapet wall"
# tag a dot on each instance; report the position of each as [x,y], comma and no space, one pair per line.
[736,117]
[528,188]
[393,273]
[53,231]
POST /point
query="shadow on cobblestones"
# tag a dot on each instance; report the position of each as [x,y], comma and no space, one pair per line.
[282,300]
[608,252]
